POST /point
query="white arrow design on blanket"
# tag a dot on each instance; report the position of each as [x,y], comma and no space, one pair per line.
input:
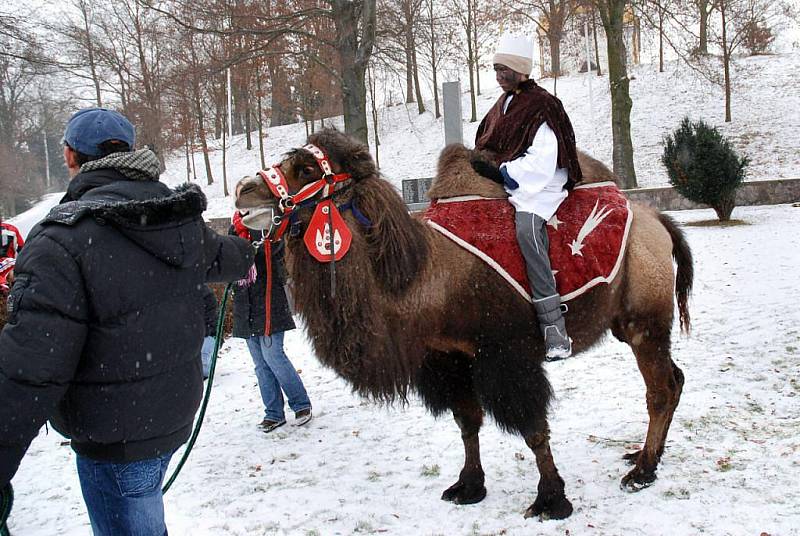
[591,223]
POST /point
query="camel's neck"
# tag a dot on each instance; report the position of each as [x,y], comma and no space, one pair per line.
[350,325]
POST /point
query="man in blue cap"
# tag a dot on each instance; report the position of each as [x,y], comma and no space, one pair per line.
[106,323]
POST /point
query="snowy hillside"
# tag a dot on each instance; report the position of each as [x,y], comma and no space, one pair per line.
[730,467]
[765,127]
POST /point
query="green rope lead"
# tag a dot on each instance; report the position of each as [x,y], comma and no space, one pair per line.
[199,423]
[5,509]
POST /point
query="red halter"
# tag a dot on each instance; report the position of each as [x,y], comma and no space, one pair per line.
[275,180]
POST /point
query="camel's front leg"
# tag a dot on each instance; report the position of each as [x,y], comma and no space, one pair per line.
[550,500]
[469,488]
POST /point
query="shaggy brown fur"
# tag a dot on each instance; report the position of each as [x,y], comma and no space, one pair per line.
[413,310]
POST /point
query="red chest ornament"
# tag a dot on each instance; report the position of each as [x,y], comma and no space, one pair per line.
[327,238]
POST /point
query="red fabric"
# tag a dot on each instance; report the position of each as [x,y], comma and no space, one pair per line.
[239,227]
[488,225]
[13,248]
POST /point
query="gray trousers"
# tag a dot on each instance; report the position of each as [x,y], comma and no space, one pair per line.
[535,246]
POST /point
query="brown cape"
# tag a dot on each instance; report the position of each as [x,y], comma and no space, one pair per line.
[505,137]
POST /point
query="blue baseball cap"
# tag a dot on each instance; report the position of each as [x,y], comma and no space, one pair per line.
[90,127]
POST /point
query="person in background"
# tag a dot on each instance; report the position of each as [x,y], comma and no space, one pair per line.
[106,322]
[11,243]
[529,136]
[211,312]
[261,319]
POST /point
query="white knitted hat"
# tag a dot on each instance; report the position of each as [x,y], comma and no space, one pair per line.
[515,52]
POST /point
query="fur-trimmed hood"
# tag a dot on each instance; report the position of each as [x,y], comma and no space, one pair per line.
[150,214]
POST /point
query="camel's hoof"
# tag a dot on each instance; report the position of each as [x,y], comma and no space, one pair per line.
[552,507]
[461,493]
[637,480]
[631,457]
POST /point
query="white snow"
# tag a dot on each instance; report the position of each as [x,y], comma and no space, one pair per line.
[732,460]
[731,464]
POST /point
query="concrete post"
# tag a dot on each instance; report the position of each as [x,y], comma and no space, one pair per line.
[453,131]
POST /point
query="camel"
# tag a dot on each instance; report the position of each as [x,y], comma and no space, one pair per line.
[413,312]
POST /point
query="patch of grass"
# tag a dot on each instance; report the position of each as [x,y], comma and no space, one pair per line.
[373,476]
[791,349]
[364,526]
[313,532]
[432,470]
[716,223]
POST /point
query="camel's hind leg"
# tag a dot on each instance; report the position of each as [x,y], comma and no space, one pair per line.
[445,382]
[664,380]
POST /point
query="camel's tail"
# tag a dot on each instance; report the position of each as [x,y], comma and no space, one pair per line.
[685,277]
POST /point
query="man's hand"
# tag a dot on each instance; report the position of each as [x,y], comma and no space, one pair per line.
[486,169]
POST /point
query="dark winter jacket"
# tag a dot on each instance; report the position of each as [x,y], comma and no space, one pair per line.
[250,302]
[106,320]
[211,310]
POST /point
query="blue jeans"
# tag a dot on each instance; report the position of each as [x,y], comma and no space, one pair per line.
[124,499]
[205,354]
[275,372]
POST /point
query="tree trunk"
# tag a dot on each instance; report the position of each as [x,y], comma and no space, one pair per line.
[247,124]
[260,121]
[726,61]
[433,61]
[420,104]
[471,65]
[354,55]
[725,207]
[475,50]
[90,53]
[702,47]
[596,48]
[554,38]
[409,71]
[224,162]
[612,17]
[660,39]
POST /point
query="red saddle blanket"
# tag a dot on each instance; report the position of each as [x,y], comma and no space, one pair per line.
[587,235]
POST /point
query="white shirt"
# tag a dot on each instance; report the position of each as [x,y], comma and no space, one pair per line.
[541,182]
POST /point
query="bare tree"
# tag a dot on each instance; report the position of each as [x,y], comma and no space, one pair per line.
[612,14]
[551,18]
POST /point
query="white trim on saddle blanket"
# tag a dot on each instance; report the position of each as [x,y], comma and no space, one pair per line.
[592,220]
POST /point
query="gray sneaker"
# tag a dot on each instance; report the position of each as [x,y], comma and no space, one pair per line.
[267,425]
[302,417]
[558,345]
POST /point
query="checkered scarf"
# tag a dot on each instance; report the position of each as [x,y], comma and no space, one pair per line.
[141,165]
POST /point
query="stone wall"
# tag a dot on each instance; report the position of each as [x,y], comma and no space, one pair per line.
[773,192]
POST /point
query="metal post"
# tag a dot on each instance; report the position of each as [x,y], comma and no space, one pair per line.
[453,128]
[46,162]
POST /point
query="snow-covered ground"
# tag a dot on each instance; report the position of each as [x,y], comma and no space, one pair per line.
[765,127]
[731,465]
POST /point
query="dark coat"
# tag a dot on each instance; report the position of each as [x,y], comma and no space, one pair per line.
[211,310]
[106,320]
[249,302]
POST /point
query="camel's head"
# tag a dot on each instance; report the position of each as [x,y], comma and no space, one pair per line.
[257,202]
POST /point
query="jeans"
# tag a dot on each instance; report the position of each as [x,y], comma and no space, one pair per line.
[124,499]
[205,354]
[274,372]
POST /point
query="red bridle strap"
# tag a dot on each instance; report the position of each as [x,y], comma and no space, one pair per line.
[276,181]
